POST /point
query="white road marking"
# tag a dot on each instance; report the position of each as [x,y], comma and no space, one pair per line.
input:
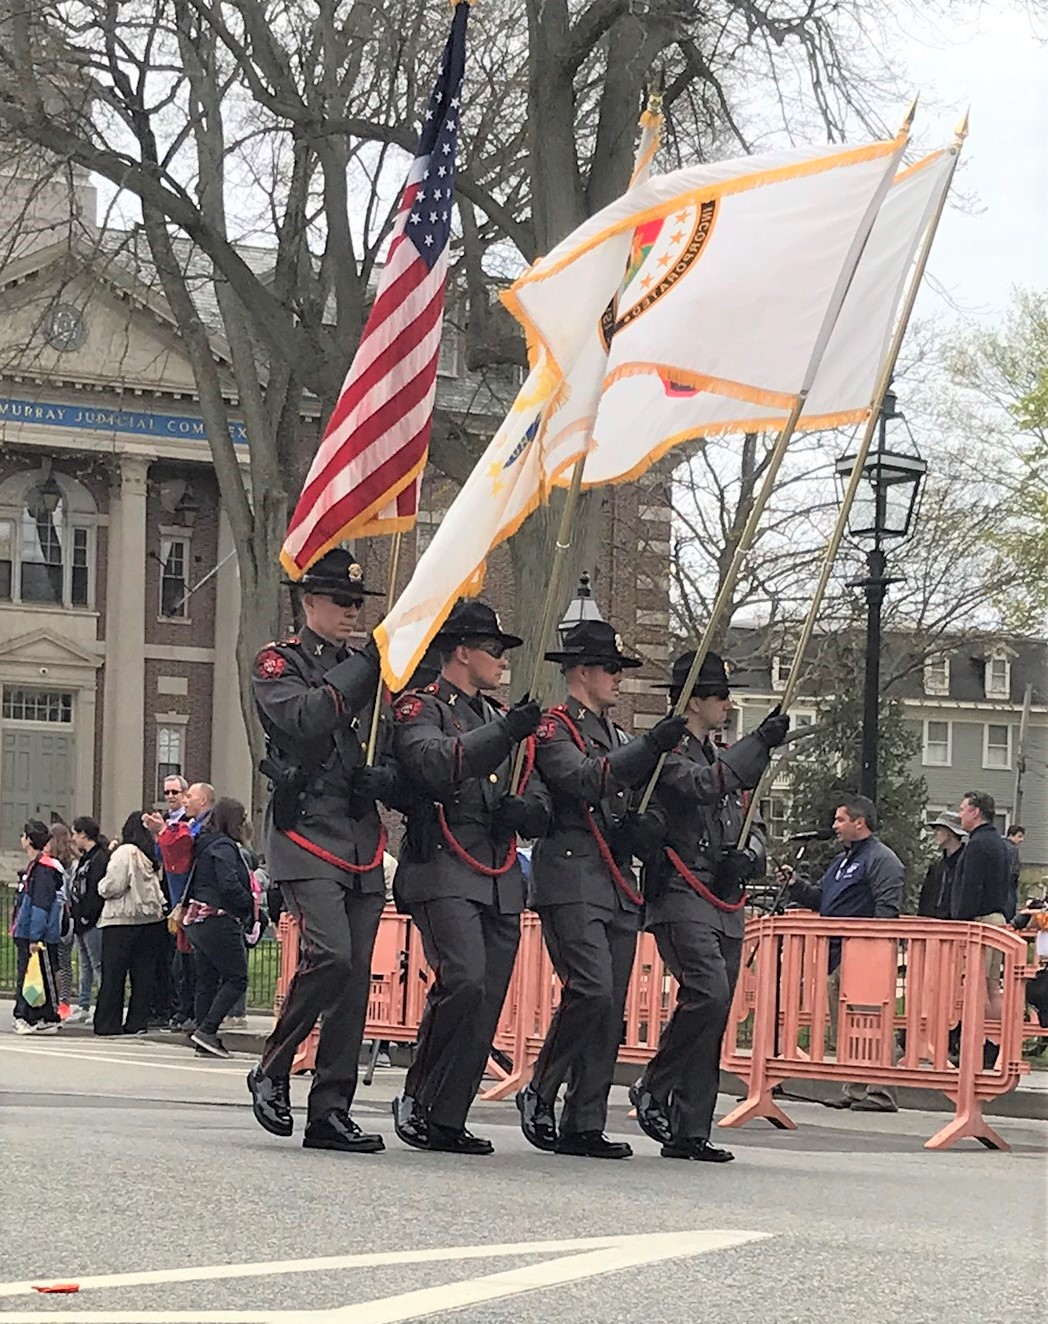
[69,1054]
[601,1255]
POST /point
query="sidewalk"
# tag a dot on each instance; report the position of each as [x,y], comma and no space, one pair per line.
[1028,1100]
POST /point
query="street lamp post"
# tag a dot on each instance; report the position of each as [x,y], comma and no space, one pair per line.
[580,608]
[883,514]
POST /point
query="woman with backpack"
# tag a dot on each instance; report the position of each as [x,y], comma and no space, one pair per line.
[62,848]
[219,909]
[132,924]
[37,927]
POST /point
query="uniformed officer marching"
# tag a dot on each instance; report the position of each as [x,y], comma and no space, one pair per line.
[585,892]
[324,847]
[694,897]
[458,875]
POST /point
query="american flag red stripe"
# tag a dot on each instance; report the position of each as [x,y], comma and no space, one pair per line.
[365,475]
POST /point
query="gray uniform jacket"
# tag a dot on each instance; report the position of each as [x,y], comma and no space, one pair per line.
[698,795]
[313,700]
[567,864]
[454,751]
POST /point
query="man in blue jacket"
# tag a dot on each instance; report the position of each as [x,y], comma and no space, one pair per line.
[864,882]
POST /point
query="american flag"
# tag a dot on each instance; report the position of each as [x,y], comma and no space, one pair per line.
[365,476]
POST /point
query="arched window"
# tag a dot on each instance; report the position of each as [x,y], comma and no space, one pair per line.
[47,540]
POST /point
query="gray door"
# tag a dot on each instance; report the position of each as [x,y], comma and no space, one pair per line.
[36,779]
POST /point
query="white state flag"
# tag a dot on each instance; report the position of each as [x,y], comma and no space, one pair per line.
[642,415]
[770,244]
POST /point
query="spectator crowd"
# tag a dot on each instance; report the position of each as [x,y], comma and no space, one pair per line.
[162,920]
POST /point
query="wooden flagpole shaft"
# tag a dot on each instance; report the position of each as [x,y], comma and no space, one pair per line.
[847,500]
[391,590]
[549,611]
[730,580]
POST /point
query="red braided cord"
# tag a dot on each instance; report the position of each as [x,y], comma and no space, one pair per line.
[627,889]
[337,861]
[460,852]
[697,885]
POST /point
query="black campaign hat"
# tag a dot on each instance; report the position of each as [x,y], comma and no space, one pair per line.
[472,619]
[592,642]
[338,573]
[712,674]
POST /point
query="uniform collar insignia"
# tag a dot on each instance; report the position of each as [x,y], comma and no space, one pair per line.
[318,649]
[452,697]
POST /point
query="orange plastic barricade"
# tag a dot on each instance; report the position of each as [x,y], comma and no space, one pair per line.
[914,975]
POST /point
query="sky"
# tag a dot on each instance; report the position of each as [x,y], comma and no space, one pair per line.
[998,66]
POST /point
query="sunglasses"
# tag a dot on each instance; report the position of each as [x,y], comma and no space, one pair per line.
[348,602]
[172,792]
[611,668]
[713,692]
[493,647]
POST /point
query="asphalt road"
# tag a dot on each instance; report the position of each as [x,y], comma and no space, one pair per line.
[137,1172]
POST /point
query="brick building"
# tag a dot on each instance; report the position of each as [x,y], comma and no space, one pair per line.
[119,592]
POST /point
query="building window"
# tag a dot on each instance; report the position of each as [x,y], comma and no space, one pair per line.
[780,673]
[448,358]
[938,744]
[774,810]
[174,558]
[53,706]
[937,675]
[997,745]
[998,680]
[170,742]
[46,552]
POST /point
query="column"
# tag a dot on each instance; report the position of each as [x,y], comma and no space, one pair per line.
[231,770]
[123,724]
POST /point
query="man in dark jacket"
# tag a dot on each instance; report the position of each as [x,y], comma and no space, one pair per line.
[1013,840]
[458,875]
[937,888]
[982,890]
[585,891]
[86,906]
[864,882]
[324,847]
[694,893]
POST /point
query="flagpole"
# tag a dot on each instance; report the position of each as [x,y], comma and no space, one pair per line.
[651,126]
[391,589]
[731,579]
[847,500]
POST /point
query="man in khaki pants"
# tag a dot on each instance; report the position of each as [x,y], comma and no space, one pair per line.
[864,882]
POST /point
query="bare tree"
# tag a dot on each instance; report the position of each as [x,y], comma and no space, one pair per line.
[227,121]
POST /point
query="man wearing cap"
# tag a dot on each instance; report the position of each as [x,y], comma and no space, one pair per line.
[458,875]
[324,847]
[694,890]
[585,891]
[934,901]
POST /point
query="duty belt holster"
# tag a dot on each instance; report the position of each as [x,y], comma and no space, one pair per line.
[288,781]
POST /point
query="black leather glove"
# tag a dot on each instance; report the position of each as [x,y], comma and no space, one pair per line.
[773,729]
[522,719]
[738,866]
[645,833]
[374,783]
[511,815]
[666,735]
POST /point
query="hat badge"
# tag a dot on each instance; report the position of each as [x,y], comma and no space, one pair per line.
[620,646]
[355,574]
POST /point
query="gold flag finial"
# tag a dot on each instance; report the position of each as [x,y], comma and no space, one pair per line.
[907,123]
[653,103]
[961,131]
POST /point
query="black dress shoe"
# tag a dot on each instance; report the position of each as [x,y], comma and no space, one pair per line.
[446,1140]
[699,1150]
[536,1119]
[339,1131]
[271,1101]
[591,1144]
[651,1114]
[409,1122]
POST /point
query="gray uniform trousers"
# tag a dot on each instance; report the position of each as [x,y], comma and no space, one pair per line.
[470,947]
[686,1069]
[337,928]
[592,951]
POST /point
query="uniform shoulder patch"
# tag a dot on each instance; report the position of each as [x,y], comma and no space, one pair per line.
[546,729]
[270,663]
[407,708]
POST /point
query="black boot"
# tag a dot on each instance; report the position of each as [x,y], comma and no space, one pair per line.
[536,1119]
[651,1114]
[339,1131]
[449,1140]
[409,1122]
[699,1150]
[591,1144]
[271,1101]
